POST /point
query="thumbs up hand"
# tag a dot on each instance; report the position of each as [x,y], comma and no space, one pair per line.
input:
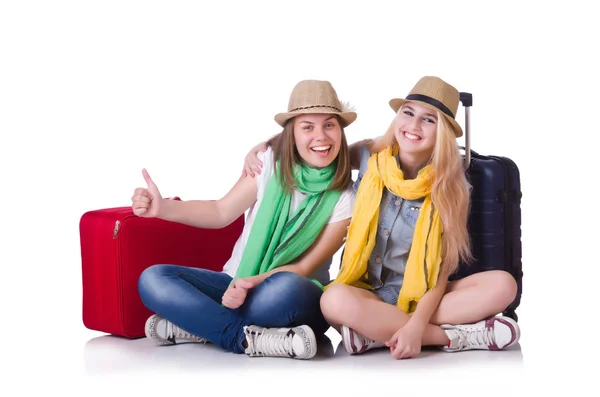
[146,202]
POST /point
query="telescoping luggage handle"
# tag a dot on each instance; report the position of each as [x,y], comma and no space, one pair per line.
[466,99]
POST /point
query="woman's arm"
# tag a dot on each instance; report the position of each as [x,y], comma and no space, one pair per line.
[427,306]
[210,214]
[406,342]
[355,151]
[325,246]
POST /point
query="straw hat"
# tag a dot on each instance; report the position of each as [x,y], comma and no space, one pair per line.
[314,96]
[436,94]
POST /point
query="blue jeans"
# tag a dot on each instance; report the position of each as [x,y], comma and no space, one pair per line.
[191,299]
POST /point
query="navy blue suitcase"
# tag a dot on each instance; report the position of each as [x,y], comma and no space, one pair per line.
[495,217]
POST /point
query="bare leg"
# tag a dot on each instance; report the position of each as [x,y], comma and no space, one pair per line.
[476,297]
[466,301]
[365,313]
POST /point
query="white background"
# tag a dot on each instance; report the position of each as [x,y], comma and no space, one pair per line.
[92,92]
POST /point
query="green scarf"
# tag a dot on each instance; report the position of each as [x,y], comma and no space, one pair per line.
[278,237]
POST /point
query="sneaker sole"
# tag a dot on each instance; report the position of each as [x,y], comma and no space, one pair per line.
[511,324]
[149,330]
[311,344]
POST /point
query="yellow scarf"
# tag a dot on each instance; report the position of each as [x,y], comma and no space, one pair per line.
[424,260]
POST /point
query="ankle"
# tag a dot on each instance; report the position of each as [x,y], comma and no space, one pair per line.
[435,336]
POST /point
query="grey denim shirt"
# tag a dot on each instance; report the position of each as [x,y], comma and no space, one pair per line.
[396,226]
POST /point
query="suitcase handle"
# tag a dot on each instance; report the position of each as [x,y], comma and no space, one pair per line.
[466,99]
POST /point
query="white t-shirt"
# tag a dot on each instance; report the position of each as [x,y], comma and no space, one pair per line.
[341,211]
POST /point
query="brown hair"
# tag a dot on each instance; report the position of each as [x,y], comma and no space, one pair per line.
[284,150]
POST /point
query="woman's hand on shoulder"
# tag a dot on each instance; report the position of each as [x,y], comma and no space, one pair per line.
[252,164]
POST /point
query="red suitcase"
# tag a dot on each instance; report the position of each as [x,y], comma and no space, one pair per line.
[116,246]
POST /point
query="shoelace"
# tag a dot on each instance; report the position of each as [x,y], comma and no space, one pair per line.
[273,343]
[477,337]
[175,331]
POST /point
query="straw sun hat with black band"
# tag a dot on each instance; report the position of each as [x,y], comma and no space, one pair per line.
[437,95]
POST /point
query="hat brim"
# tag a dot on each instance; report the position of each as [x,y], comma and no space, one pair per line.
[347,117]
[397,103]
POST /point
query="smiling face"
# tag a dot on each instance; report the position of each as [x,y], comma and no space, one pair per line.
[318,138]
[416,129]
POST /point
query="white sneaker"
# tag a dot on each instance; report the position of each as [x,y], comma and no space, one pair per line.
[298,342]
[165,332]
[355,343]
[494,333]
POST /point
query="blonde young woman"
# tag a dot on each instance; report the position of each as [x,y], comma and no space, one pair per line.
[407,236]
[265,302]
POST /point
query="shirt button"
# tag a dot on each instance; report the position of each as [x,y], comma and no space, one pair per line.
[386,232]
[378,260]
[398,202]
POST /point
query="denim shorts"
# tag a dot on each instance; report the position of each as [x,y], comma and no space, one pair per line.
[388,294]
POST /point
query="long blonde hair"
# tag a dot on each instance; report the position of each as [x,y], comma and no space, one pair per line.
[450,192]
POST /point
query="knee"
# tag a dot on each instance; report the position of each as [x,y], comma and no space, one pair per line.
[148,277]
[503,288]
[285,283]
[149,285]
[338,304]
[286,280]
[284,287]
